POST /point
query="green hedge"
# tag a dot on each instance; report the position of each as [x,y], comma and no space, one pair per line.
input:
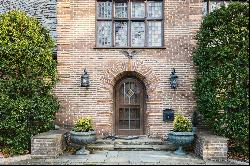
[27,76]
[222,82]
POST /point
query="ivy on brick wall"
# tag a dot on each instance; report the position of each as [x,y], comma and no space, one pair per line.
[27,76]
[222,82]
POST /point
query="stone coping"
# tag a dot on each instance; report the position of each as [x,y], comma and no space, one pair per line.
[50,134]
[210,136]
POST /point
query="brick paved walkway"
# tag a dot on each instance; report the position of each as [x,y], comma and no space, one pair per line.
[122,158]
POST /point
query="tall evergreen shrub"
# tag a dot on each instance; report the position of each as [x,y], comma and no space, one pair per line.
[27,76]
[222,82]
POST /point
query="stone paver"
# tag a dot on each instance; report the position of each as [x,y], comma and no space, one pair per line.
[122,158]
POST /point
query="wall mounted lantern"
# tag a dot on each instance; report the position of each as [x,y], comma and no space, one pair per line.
[173,79]
[85,79]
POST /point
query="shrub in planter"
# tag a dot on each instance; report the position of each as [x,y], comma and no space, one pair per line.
[27,76]
[82,134]
[182,134]
[182,124]
[83,125]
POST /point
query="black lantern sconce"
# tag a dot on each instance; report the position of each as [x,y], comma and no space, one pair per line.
[85,79]
[173,79]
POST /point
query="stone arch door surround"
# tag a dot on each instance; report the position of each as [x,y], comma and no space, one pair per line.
[114,71]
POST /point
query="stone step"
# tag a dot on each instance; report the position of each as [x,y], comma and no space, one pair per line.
[140,141]
[167,147]
[144,147]
[135,144]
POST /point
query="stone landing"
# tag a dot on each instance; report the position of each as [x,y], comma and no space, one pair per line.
[123,158]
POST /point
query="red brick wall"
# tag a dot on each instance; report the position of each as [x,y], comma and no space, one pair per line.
[76,42]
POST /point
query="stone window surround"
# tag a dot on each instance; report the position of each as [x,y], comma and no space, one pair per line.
[129,28]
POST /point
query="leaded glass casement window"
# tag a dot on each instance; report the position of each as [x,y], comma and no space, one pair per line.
[211,5]
[129,23]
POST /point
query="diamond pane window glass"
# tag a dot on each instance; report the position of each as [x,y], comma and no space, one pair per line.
[104,33]
[137,34]
[121,10]
[104,10]
[204,9]
[129,23]
[154,9]
[121,33]
[215,5]
[138,10]
[155,33]
[211,5]
[226,3]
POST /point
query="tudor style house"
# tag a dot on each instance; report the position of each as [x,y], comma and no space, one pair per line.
[115,60]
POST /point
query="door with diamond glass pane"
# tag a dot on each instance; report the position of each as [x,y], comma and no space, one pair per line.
[129,107]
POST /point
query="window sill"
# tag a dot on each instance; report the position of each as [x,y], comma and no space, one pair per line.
[132,48]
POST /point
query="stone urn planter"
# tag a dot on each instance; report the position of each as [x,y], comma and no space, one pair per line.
[83,134]
[182,134]
[83,138]
[181,139]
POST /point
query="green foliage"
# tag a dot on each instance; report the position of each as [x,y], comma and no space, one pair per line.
[83,125]
[182,124]
[222,82]
[27,76]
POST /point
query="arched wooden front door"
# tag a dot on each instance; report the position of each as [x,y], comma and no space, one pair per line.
[129,107]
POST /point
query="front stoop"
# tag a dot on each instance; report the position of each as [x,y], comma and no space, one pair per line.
[141,144]
[48,145]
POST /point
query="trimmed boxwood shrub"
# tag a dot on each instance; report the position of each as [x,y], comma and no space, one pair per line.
[27,76]
[222,82]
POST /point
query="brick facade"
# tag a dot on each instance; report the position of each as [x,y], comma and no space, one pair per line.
[75,33]
[76,51]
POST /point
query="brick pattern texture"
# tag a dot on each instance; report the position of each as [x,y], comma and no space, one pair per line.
[48,145]
[76,51]
[75,31]
[211,147]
